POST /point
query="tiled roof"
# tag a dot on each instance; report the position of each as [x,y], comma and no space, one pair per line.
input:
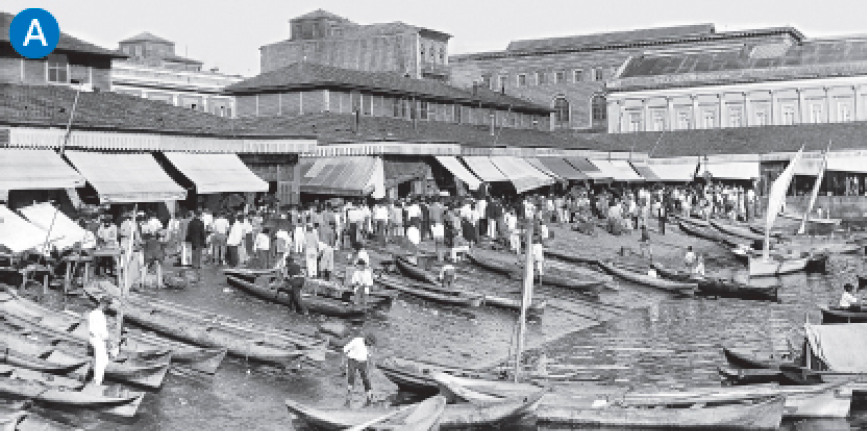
[310,75]
[605,39]
[67,43]
[50,106]
[741,140]
[146,37]
[319,14]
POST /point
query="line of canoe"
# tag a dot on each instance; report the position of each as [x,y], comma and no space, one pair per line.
[714,286]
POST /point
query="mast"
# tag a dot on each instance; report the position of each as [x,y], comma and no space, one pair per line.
[526,297]
[819,176]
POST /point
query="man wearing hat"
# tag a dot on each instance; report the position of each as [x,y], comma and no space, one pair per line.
[357,355]
[293,282]
[362,278]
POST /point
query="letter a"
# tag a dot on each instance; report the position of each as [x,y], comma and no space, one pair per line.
[38,36]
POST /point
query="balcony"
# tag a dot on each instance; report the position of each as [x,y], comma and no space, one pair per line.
[435,69]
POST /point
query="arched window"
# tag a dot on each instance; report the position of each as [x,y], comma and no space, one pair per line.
[561,113]
[599,108]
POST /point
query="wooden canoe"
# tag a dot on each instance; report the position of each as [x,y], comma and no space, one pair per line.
[11,419]
[571,257]
[415,376]
[315,303]
[646,280]
[148,373]
[412,270]
[588,287]
[708,234]
[765,415]
[458,389]
[459,298]
[693,220]
[454,415]
[821,221]
[328,289]
[750,377]
[425,416]
[537,307]
[209,330]
[738,231]
[838,315]
[712,286]
[742,360]
[758,267]
[91,397]
[70,330]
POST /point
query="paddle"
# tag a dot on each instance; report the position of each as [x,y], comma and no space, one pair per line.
[383,418]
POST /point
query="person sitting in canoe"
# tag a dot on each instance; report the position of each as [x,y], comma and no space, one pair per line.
[848,301]
[689,259]
[447,275]
[699,265]
[357,355]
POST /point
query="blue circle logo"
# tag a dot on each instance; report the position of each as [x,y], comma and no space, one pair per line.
[34,33]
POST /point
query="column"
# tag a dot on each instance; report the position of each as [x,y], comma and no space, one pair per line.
[694,111]
[746,117]
[800,106]
[722,110]
[672,115]
[827,104]
[855,106]
[773,113]
[621,106]
[646,114]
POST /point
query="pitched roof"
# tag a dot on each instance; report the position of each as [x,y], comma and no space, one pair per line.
[808,59]
[66,43]
[146,37]
[736,140]
[319,14]
[178,59]
[604,39]
[308,75]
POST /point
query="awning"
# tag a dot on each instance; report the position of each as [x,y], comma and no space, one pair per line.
[642,169]
[673,172]
[217,173]
[838,162]
[398,171]
[64,232]
[731,170]
[840,347]
[17,234]
[24,169]
[485,169]
[124,177]
[342,176]
[589,169]
[523,175]
[458,170]
[562,168]
[536,163]
[620,170]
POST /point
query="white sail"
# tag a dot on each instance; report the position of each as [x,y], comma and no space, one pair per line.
[776,198]
[815,193]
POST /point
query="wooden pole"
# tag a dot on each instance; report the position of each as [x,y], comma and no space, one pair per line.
[124,289]
[525,298]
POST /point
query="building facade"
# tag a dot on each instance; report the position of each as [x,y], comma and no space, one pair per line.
[809,82]
[324,38]
[568,74]
[153,71]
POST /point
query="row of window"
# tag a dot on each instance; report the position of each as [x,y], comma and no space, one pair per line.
[432,54]
[558,77]
[563,111]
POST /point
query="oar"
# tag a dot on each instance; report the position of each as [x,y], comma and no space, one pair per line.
[383,418]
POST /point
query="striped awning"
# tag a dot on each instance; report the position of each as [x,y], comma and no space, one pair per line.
[217,173]
[731,170]
[562,168]
[24,169]
[589,169]
[536,163]
[17,234]
[485,169]
[458,170]
[64,231]
[673,172]
[342,176]
[620,170]
[644,170]
[523,175]
[126,178]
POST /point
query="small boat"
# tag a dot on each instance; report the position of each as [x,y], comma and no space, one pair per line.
[750,377]
[831,314]
[819,221]
[738,231]
[709,234]
[424,417]
[750,362]
[536,308]
[315,303]
[763,415]
[12,419]
[470,389]
[453,416]
[759,267]
[431,293]
[414,271]
[693,220]
[678,287]
[210,330]
[42,391]
[415,376]
[713,286]
[589,287]
[571,257]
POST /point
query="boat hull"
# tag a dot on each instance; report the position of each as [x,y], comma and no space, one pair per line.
[646,280]
[758,267]
[316,304]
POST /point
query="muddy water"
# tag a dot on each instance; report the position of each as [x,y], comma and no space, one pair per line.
[655,342]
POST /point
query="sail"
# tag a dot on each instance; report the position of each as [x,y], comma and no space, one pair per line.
[815,193]
[777,196]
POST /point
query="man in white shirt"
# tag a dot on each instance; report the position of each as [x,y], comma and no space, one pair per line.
[362,279]
[380,218]
[99,338]
[357,355]
[848,300]
[233,242]
[220,227]
[689,259]
[538,255]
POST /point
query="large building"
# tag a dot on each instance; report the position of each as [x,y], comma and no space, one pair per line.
[568,74]
[324,38]
[73,60]
[154,71]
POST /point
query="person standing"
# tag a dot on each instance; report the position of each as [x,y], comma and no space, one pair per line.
[293,283]
[425,219]
[233,243]
[106,237]
[196,237]
[220,227]
[357,355]
[380,218]
[183,228]
[262,248]
[362,280]
[663,218]
[326,260]
[311,250]
[99,338]
[436,211]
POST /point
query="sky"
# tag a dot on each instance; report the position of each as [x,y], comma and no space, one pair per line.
[228,33]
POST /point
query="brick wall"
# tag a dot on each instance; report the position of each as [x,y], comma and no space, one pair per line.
[10,69]
[34,72]
[313,102]
[269,104]
[245,106]
[290,103]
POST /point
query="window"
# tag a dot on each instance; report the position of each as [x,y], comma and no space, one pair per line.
[844,113]
[355,101]
[522,80]
[486,81]
[634,122]
[138,50]
[366,104]
[399,107]
[816,113]
[560,77]
[501,82]
[597,74]
[709,120]
[423,109]
[736,117]
[443,55]
[788,115]
[58,68]
[658,121]
[561,113]
[578,75]
[761,118]
[421,53]
[457,113]
[683,120]
[599,106]
[541,78]
[126,50]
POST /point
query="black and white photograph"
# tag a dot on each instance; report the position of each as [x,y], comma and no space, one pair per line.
[418,216]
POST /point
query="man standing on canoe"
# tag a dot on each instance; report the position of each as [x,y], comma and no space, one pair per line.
[293,283]
[99,337]
[357,355]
